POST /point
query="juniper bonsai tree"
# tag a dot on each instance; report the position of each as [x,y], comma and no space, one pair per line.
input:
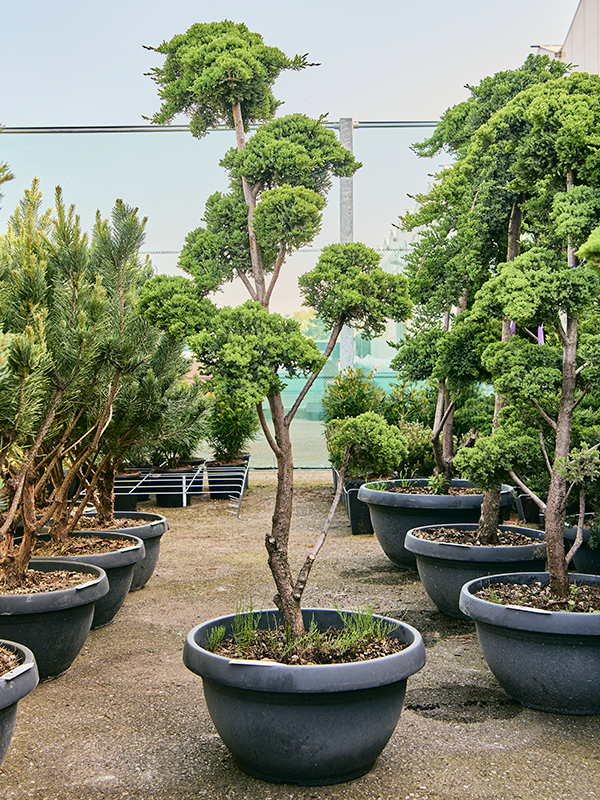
[279,180]
[552,364]
[471,221]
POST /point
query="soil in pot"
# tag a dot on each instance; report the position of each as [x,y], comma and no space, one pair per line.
[548,660]
[53,624]
[448,557]
[307,724]
[118,564]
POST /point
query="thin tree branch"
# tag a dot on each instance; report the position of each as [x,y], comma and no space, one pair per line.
[545,452]
[527,490]
[328,350]
[581,396]
[441,423]
[530,333]
[246,281]
[278,264]
[579,535]
[542,413]
[266,430]
[310,559]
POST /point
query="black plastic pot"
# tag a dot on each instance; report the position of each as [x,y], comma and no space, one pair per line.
[546,660]
[310,724]
[445,567]
[357,511]
[150,530]
[393,514]
[118,566]
[53,625]
[172,486]
[14,685]
[586,559]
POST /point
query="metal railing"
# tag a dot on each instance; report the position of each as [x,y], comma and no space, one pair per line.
[216,481]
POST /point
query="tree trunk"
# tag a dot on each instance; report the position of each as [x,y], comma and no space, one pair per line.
[105,496]
[490,514]
[276,541]
[555,510]
[490,508]
[250,198]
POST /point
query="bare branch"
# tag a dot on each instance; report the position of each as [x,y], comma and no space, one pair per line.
[246,281]
[545,452]
[441,423]
[582,395]
[531,334]
[310,559]
[527,490]
[579,535]
[328,350]
[277,269]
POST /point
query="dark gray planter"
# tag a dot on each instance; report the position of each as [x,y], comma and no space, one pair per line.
[310,724]
[393,514]
[586,559]
[357,512]
[546,660]
[118,565]
[14,685]
[53,625]
[444,567]
[150,530]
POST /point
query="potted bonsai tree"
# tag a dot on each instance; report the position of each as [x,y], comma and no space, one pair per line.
[49,351]
[278,181]
[548,286]
[469,222]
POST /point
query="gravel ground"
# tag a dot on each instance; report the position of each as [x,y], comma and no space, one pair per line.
[129,721]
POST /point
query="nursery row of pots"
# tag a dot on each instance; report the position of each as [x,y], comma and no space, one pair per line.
[346,713]
[544,659]
[47,630]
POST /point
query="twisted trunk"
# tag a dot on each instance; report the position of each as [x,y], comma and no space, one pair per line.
[287,599]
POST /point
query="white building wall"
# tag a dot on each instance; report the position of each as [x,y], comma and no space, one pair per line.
[582,45]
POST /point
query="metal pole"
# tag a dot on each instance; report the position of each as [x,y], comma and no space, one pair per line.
[346,235]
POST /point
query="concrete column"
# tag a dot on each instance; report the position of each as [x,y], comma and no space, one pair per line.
[346,234]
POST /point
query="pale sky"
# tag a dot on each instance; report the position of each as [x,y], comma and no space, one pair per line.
[75,63]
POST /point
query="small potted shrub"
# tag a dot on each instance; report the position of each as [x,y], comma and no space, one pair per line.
[229,427]
[378,449]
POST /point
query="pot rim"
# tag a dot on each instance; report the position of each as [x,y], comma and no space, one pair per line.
[148,519]
[115,558]
[61,599]
[524,618]
[305,678]
[452,551]
[382,497]
[22,680]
